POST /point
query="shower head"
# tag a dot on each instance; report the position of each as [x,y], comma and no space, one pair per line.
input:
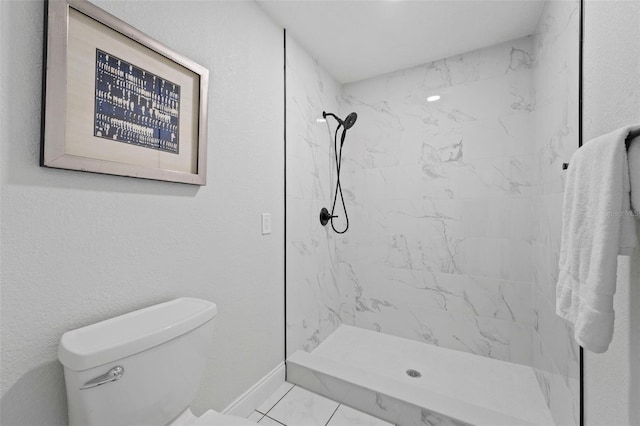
[347,123]
[350,120]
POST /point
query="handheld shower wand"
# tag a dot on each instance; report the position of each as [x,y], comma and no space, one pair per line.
[346,124]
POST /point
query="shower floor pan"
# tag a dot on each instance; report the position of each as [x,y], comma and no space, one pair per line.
[376,373]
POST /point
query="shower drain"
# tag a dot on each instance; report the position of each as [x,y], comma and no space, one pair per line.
[413,373]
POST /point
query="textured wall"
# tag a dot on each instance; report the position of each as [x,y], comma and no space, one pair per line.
[78,247]
[555,129]
[315,306]
[611,100]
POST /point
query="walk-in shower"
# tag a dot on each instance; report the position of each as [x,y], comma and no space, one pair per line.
[450,263]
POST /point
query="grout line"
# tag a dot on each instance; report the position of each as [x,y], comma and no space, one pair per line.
[276,403]
[271,418]
[332,414]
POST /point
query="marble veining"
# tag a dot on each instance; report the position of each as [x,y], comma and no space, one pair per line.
[424,260]
[429,418]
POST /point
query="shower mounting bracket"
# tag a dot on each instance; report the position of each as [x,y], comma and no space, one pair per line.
[325,216]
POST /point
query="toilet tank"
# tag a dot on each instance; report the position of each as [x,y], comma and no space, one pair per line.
[141,368]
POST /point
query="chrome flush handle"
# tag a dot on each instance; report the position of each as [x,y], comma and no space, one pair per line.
[110,376]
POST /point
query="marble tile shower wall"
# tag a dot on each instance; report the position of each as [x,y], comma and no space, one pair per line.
[440,244]
[315,305]
[454,205]
[555,353]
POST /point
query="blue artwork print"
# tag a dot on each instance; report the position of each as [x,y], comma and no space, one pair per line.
[135,106]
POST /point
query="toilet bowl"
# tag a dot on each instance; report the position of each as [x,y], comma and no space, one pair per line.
[141,368]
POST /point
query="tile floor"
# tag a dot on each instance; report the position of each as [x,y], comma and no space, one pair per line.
[291,405]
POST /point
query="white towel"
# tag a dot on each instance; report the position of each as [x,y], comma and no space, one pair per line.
[596,226]
[634,174]
[628,236]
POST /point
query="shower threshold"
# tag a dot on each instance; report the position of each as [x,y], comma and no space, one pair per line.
[410,383]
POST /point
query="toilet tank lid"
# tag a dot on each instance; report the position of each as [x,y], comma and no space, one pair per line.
[128,334]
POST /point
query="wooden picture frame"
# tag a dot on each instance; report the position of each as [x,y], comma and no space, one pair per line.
[118,102]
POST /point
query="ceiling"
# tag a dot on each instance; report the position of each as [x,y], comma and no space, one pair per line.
[358,39]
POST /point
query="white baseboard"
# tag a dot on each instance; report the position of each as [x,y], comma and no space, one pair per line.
[252,398]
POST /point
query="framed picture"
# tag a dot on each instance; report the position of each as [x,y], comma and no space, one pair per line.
[118,102]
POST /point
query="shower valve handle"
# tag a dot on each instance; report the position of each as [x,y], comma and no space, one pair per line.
[325,216]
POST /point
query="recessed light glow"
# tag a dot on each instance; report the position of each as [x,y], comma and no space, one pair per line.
[321,120]
[433,98]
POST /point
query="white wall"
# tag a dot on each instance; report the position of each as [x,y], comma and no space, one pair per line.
[78,247]
[612,99]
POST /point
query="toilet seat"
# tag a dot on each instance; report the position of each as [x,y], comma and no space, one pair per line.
[213,418]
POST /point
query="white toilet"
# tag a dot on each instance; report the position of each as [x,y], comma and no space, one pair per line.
[141,368]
